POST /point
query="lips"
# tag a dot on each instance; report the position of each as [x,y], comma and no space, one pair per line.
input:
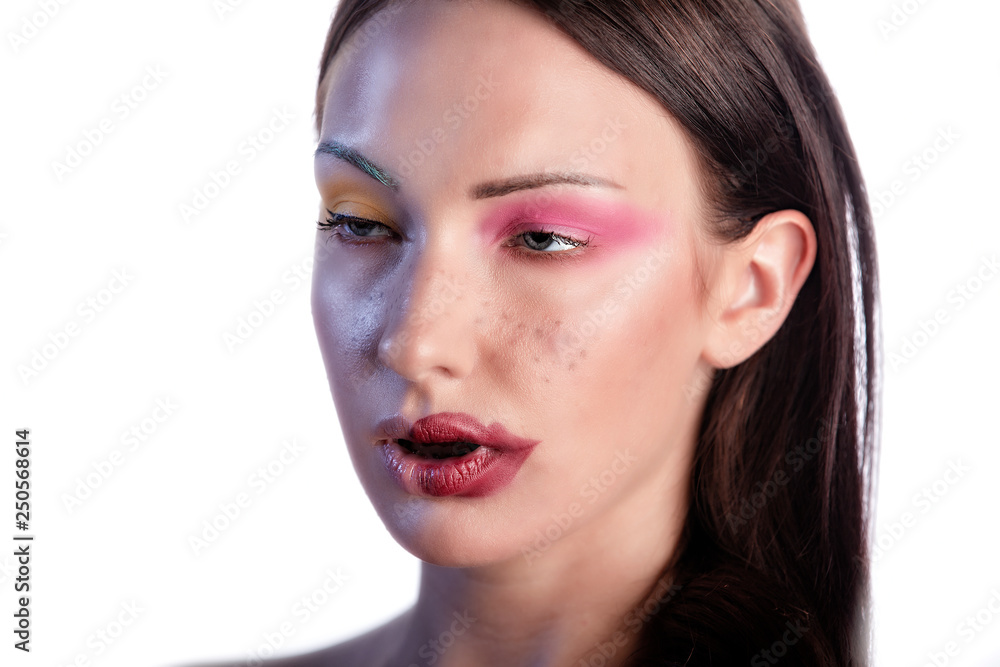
[451,453]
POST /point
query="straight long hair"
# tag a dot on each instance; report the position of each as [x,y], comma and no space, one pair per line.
[774,559]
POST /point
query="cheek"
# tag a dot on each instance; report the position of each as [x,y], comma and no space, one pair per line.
[626,336]
[639,301]
[617,359]
[346,311]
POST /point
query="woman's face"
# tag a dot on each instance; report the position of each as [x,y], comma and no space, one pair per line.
[570,311]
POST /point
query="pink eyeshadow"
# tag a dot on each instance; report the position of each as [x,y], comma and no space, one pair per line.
[610,223]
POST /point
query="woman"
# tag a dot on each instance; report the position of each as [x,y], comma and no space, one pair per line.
[595,290]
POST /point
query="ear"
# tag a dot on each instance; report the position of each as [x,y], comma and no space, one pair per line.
[756,285]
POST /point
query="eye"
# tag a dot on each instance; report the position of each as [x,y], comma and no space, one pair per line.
[542,242]
[352,227]
[533,242]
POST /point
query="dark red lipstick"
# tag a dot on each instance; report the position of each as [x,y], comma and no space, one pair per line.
[451,454]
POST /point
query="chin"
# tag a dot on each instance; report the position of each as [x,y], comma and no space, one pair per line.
[446,533]
[457,552]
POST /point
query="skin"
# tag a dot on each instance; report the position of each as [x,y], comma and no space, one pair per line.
[601,355]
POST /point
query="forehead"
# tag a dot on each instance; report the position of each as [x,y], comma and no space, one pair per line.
[440,50]
[446,92]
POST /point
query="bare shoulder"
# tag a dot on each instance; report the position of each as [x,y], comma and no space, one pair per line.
[374,648]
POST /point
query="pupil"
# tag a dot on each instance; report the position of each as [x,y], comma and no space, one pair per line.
[539,238]
[359,228]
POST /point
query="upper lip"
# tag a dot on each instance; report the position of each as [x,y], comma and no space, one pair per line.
[451,427]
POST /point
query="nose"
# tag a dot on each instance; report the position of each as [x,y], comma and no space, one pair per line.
[431,321]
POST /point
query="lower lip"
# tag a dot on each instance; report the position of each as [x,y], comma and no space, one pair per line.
[481,472]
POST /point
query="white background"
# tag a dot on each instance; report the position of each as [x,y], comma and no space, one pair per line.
[191,282]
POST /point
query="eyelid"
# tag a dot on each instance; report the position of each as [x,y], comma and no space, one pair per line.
[558,229]
[351,216]
[349,198]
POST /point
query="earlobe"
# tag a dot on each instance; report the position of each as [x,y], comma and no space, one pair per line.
[758,281]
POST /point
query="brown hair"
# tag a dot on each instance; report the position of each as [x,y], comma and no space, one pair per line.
[775,550]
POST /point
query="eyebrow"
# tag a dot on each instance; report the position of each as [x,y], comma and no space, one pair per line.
[350,155]
[497,188]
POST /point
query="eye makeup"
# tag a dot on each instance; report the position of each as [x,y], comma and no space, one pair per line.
[541,225]
[607,224]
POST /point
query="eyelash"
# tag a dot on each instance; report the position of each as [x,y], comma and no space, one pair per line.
[339,220]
